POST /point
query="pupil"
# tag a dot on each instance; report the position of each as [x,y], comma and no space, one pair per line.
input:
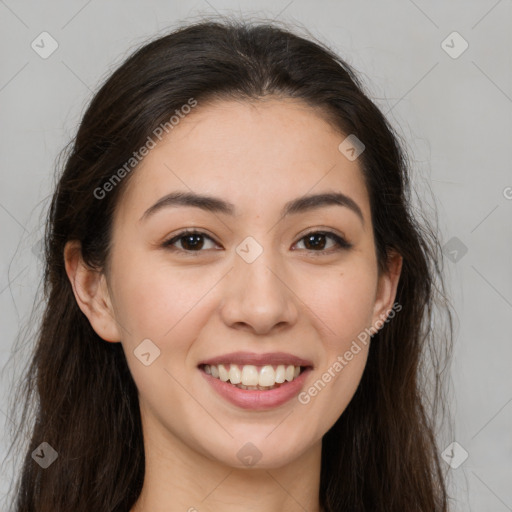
[310,238]
[193,245]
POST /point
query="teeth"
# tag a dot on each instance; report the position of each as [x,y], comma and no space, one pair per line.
[235,375]
[250,375]
[223,373]
[267,376]
[288,374]
[280,374]
[253,377]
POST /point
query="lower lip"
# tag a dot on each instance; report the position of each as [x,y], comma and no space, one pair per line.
[254,399]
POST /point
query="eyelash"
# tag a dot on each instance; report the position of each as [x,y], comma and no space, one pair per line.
[340,242]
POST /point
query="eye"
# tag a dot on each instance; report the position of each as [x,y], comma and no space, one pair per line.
[316,241]
[190,240]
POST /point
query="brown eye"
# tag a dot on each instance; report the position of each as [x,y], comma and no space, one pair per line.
[316,241]
[191,241]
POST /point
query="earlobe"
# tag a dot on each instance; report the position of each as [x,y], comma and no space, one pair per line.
[387,286]
[91,293]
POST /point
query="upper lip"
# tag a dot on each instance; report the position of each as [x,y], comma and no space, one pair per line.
[270,358]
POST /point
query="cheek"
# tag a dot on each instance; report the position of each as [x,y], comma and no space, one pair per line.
[154,302]
[343,306]
[168,308]
[344,303]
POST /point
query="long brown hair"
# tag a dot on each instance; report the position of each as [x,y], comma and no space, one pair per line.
[382,453]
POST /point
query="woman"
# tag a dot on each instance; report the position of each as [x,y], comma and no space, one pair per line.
[239,299]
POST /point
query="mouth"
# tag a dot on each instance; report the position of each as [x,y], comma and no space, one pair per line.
[252,377]
[256,381]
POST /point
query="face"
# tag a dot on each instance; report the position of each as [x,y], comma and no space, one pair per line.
[255,285]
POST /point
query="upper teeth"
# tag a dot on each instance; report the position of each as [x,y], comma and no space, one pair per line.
[250,375]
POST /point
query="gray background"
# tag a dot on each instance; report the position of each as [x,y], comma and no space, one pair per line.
[454,113]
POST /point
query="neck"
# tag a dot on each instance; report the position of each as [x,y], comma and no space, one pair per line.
[180,479]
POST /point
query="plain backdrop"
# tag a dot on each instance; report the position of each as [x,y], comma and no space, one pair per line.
[451,104]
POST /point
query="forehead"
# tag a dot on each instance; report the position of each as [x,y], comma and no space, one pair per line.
[258,155]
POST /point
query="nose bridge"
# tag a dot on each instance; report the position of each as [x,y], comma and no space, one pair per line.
[256,294]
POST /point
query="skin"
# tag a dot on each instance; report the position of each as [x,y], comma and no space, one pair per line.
[293,298]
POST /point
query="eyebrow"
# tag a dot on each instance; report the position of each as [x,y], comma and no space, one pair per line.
[217,205]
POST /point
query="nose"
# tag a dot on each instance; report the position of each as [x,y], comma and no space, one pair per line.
[258,297]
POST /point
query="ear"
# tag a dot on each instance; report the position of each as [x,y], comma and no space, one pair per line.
[387,286]
[91,293]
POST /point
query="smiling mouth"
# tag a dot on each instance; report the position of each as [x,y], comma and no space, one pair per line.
[253,377]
